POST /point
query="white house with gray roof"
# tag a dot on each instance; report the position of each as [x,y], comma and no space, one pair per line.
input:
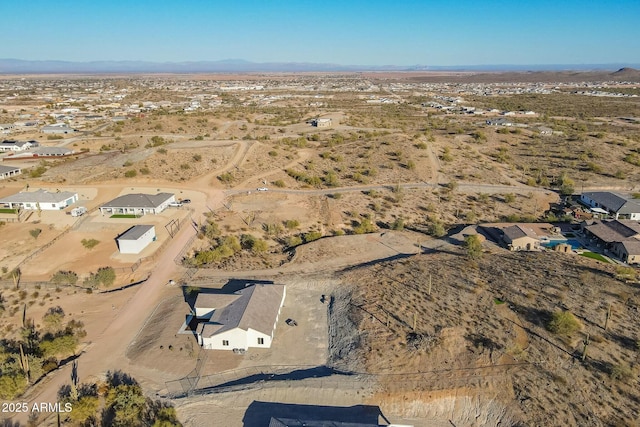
[11,145]
[136,238]
[9,171]
[138,204]
[40,199]
[618,206]
[246,318]
[45,152]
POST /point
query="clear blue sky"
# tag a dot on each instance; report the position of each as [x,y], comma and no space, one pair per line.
[347,32]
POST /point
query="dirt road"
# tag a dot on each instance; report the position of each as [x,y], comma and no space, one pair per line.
[108,350]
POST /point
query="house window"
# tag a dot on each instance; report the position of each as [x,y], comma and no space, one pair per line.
[260,341]
[225,342]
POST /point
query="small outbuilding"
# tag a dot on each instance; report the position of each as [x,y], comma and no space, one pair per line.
[135,239]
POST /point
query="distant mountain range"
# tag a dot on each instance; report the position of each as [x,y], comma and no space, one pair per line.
[18,66]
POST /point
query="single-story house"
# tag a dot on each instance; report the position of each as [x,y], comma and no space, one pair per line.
[43,152]
[617,205]
[136,238]
[6,127]
[58,129]
[519,237]
[321,123]
[247,318]
[40,199]
[9,171]
[10,145]
[606,233]
[499,122]
[628,251]
[138,204]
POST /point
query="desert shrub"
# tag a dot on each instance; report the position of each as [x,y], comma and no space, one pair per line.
[279,183]
[35,232]
[621,372]
[226,177]
[365,226]
[563,323]
[293,241]
[131,173]
[291,224]
[312,235]
[90,243]
[69,277]
[473,246]
[105,276]
[398,224]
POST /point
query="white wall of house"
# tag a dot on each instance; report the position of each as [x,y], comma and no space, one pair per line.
[164,205]
[234,338]
[9,174]
[130,246]
[35,205]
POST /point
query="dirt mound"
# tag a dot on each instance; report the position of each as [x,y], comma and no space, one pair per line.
[483,327]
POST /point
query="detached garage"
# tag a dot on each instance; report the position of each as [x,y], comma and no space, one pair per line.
[135,239]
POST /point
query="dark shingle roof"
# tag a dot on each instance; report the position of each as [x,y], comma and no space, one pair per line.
[615,230]
[614,202]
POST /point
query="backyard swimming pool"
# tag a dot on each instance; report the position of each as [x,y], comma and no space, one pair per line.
[552,243]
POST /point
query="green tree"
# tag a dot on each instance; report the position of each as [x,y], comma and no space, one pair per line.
[61,346]
[53,318]
[473,246]
[127,403]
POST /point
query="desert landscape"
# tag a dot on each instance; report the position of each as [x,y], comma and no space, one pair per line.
[388,204]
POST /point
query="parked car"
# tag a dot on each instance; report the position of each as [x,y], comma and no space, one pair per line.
[263,189]
[185,201]
[175,204]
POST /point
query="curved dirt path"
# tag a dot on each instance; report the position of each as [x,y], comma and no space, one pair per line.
[107,351]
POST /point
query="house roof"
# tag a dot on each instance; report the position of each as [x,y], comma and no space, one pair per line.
[617,230]
[12,143]
[5,169]
[52,151]
[614,202]
[135,232]
[631,247]
[39,196]
[138,200]
[518,231]
[256,307]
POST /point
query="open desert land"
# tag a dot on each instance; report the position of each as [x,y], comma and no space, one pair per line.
[364,216]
